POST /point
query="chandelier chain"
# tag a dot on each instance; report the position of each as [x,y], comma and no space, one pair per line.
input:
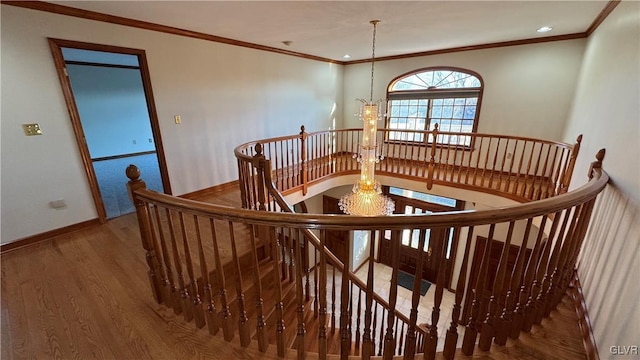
[373,55]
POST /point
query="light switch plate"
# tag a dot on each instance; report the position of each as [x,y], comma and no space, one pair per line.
[31,129]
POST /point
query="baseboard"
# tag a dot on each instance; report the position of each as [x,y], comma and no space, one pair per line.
[195,195]
[49,235]
[575,291]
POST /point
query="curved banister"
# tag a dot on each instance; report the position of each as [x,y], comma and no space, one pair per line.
[391,222]
[269,167]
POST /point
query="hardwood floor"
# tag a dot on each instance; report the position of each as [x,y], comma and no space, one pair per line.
[86,296]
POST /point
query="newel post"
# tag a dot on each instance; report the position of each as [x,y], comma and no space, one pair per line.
[564,186]
[432,161]
[303,160]
[144,224]
[258,163]
[596,164]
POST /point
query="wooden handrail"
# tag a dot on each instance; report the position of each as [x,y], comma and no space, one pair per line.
[391,222]
[520,168]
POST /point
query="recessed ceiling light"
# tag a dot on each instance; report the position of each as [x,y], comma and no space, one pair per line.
[544,29]
[346,56]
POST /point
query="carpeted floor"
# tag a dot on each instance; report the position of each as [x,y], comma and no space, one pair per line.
[112,181]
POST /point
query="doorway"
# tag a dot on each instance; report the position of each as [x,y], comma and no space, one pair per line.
[439,243]
[110,102]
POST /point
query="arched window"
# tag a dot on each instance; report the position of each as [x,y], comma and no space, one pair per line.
[448,97]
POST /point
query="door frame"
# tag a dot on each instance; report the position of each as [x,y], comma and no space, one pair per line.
[56,46]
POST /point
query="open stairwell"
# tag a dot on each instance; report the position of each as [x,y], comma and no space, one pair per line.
[264,274]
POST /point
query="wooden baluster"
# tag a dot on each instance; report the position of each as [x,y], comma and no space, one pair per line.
[561,252]
[455,169]
[292,265]
[410,346]
[440,150]
[525,186]
[173,296]
[225,313]
[495,160]
[307,267]
[551,271]
[142,212]
[451,340]
[368,336]
[303,161]
[533,191]
[196,302]
[299,263]
[359,309]
[373,331]
[505,319]
[155,230]
[566,257]
[389,341]
[315,283]
[486,162]
[473,326]
[277,281]
[382,332]
[322,289]
[550,180]
[504,160]
[397,340]
[350,320]
[512,161]
[185,301]
[405,158]
[584,220]
[261,334]
[566,178]
[432,160]
[333,299]
[520,163]
[518,312]
[559,168]
[283,255]
[401,339]
[478,157]
[211,315]
[345,335]
[532,303]
[467,169]
[243,321]
[497,298]
[432,336]
[541,176]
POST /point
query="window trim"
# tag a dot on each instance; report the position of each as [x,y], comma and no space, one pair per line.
[435,94]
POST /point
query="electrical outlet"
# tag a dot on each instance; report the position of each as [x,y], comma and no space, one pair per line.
[134,142]
[58,204]
[177,119]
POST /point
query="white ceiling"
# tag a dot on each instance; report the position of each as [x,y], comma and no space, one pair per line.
[331,29]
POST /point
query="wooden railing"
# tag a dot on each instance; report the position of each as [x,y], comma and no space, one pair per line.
[519,168]
[268,276]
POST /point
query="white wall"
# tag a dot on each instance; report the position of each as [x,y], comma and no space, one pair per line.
[528,89]
[607,110]
[225,94]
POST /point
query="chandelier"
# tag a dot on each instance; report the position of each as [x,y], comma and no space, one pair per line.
[366,198]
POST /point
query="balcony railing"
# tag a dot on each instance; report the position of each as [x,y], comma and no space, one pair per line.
[269,276]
